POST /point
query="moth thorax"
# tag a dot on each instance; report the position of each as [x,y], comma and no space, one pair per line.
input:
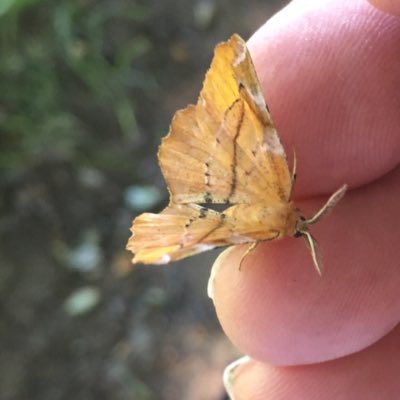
[282,218]
[293,220]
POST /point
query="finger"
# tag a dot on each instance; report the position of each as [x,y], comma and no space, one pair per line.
[277,308]
[370,374]
[389,6]
[330,74]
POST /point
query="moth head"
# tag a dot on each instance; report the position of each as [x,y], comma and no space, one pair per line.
[301,226]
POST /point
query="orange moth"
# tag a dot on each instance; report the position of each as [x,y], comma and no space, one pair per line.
[224,150]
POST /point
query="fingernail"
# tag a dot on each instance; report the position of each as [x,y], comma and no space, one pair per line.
[231,373]
[214,271]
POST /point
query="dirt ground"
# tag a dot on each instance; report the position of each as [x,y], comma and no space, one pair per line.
[77,320]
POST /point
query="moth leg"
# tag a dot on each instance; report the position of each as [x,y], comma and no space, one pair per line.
[249,250]
[253,245]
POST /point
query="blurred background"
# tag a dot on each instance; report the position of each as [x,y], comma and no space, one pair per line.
[87,89]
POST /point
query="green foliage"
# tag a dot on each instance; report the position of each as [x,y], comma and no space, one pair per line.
[65,67]
[10,6]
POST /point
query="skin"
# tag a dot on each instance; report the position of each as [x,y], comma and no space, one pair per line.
[389,6]
[330,71]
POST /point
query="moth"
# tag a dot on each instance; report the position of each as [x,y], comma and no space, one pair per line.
[224,150]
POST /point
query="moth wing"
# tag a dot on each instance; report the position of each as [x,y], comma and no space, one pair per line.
[225,149]
[177,232]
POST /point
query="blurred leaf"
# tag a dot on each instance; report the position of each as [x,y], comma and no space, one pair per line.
[204,12]
[136,47]
[7,6]
[82,301]
[155,297]
[126,116]
[67,70]
[63,22]
[87,255]
[140,198]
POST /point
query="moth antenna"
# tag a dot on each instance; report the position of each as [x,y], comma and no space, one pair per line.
[327,206]
[294,172]
[294,168]
[314,249]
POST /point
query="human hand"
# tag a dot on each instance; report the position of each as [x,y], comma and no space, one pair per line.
[330,70]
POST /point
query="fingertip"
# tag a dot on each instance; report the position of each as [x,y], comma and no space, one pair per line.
[279,310]
[231,372]
[214,271]
[329,71]
[389,6]
[369,374]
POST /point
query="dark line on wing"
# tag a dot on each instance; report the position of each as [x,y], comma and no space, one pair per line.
[208,198]
[280,190]
[234,158]
[190,221]
[220,223]
[230,107]
[266,119]
[248,96]
[203,211]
